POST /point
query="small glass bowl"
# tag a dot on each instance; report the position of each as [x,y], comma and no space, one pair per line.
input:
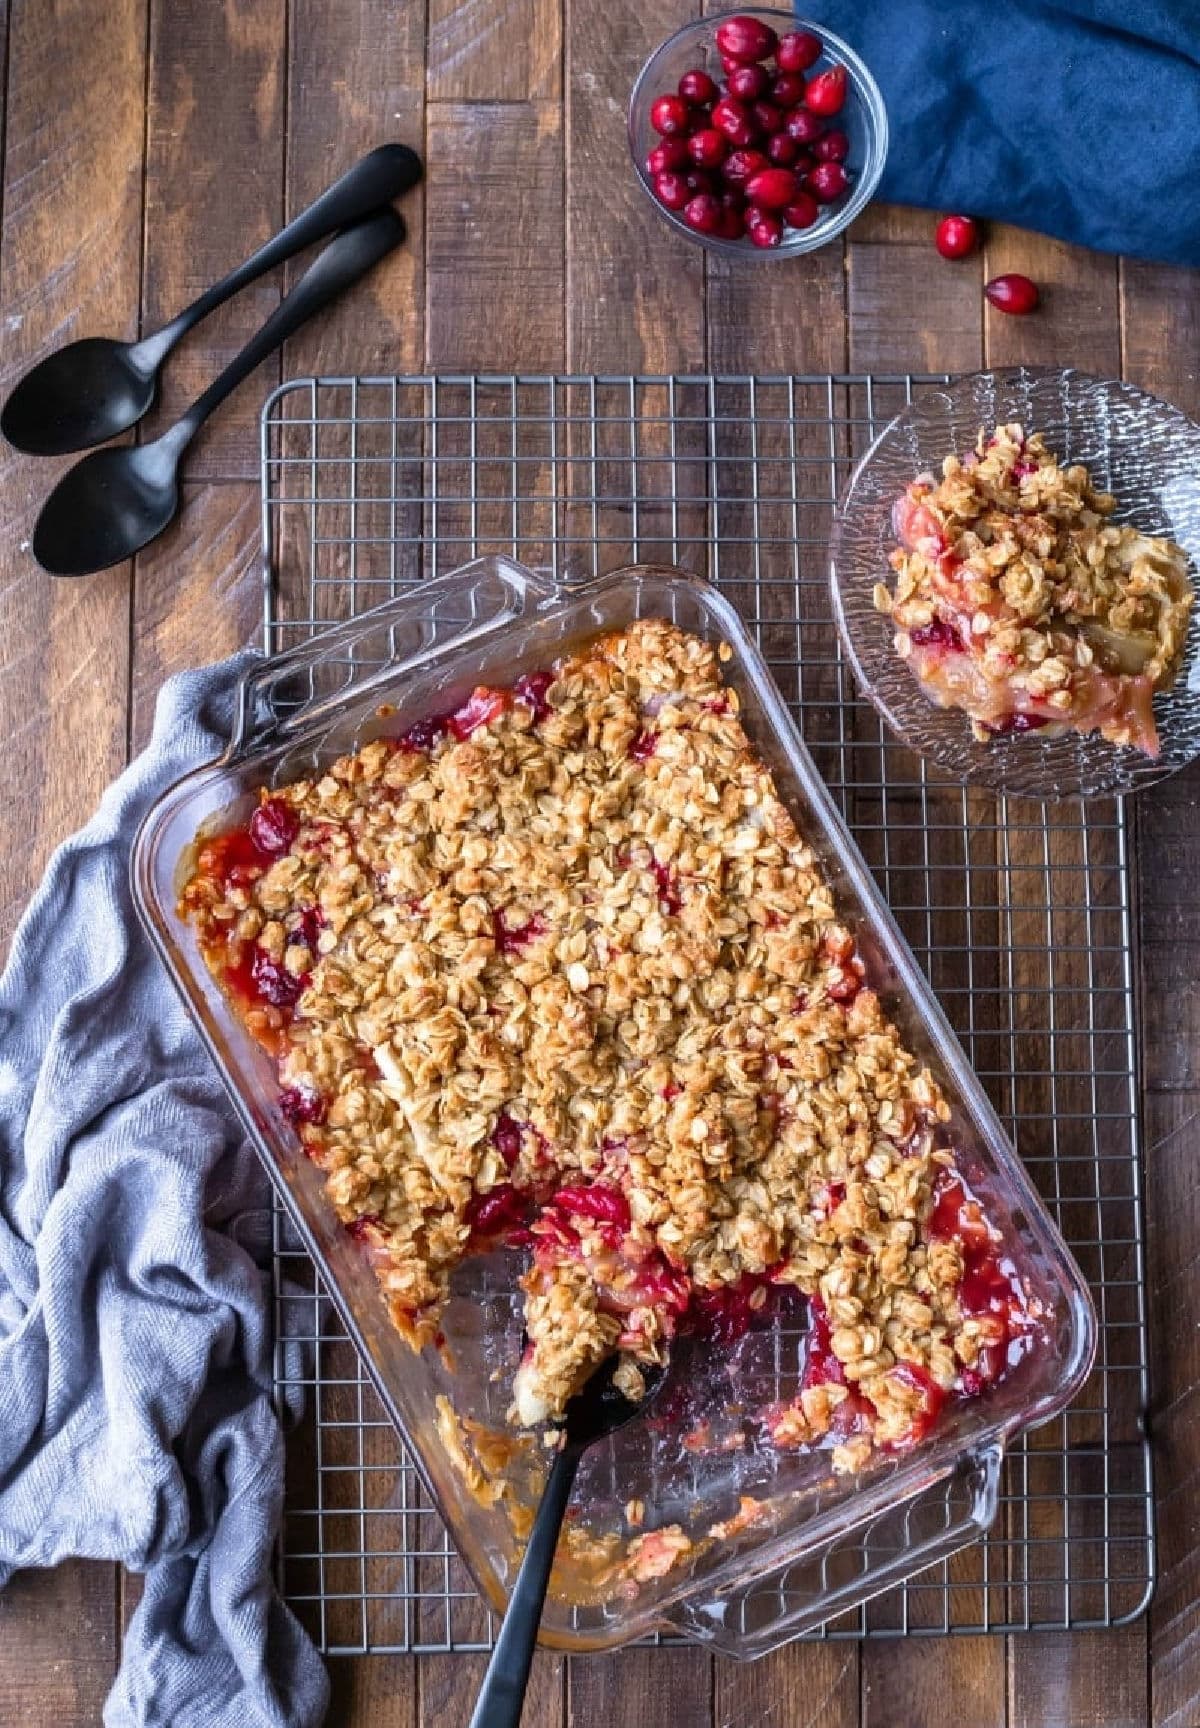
[1140,449]
[863,119]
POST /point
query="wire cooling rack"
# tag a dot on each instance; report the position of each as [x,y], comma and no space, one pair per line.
[1019,912]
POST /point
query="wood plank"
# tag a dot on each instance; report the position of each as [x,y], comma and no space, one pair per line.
[934,1686]
[670,1688]
[495,217]
[495,50]
[214,191]
[357,80]
[69,264]
[375,1691]
[1081,1680]
[804,1685]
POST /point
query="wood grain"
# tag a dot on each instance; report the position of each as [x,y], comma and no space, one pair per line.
[1081,1680]
[495,50]
[214,192]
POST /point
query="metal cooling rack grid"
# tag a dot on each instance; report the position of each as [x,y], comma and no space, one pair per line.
[1020,916]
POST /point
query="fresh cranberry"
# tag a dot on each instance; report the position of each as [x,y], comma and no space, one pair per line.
[302,1105]
[273,827]
[956,236]
[670,115]
[746,39]
[802,212]
[767,117]
[748,83]
[797,51]
[480,709]
[782,151]
[803,127]
[827,182]
[698,180]
[729,65]
[739,165]
[598,1200]
[763,228]
[938,633]
[273,982]
[1013,294]
[670,154]
[787,90]
[530,689]
[703,213]
[772,188]
[733,119]
[708,149]
[826,93]
[696,86]
[671,190]
[834,147]
[701,117]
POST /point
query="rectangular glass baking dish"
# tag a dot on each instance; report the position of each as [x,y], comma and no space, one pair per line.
[826,1543]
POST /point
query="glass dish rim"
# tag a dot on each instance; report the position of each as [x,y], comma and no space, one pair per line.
[912,1476]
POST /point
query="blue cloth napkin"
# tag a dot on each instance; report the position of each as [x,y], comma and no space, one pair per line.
[135,1351]
[1078,118]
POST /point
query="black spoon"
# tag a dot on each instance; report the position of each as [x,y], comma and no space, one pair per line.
[116,501]
[90,391]
[599,1410]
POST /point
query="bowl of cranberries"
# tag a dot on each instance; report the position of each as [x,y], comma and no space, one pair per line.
[757,133]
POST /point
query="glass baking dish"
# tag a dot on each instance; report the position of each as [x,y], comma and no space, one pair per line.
[826,1543]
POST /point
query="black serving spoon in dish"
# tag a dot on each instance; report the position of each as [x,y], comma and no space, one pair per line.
[593,1414]
[116,501]
[92,390]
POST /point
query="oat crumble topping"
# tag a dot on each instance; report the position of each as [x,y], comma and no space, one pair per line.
[1018,600]
[559,969]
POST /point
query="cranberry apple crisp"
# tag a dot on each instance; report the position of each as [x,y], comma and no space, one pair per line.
[558,969]
[1019,601]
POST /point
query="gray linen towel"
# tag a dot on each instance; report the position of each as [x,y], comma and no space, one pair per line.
[135,1350]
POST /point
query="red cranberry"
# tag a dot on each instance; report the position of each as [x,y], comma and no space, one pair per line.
[697,86]
[826,93]
[834,147]
[745,39]
[767,117]
[733,222]
[956,236]
[480,709]
[782,151]
[772,188]
[797,51]
[748,83]
[763,228]
[708,149]
[273,827]
[302,1106]
[802,212]
[597,1200]
[530,689]
[739,165]
[273,982]
[1012,293]
[697,181]
[827,182]
[731,118]
[704,214]
[671,190]
[670,154]
[729,65]
[670,115]
[804,127]
[938,633]
[787,90]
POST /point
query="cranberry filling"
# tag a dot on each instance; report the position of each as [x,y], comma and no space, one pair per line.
[643,746]
[727,1312]
[273,827]
[501,1209]
[599,1200]
[821,1366]
[510,939]
[1017,723]
[273,982]
[668,887]
[937,634]
[933,1397]
[506,1138]
[358,1227]
[990,1283]
[530,688]
[424,734]
[302,1106]
[480,709]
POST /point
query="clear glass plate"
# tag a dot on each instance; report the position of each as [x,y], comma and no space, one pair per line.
[1142,450]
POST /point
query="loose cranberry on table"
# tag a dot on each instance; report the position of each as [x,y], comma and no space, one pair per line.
[956,236]
[1013,294]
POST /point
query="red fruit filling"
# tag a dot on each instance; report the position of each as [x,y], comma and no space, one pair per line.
[530,689]
[643,746]
[273,827]
[598,1200]
[500,1210]
[511,938]
[480,709]
[302,1106]
[938,633]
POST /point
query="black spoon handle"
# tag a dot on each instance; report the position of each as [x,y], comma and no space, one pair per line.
[380,176]
[503,1691]
[347,257]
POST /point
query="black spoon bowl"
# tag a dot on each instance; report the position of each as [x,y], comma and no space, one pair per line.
[94,389]
[116,501]
[593,1414]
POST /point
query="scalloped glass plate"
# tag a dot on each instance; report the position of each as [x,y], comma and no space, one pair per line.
[1142,450]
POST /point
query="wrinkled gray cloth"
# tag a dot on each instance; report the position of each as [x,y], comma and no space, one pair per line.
[135,1352]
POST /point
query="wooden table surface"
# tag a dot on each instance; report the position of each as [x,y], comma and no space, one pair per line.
[148,145]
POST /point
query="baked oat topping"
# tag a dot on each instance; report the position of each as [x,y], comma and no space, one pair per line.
[1019,600]
[558,969]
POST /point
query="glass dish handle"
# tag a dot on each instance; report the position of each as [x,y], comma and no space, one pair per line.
[895,1544]
[412,631]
